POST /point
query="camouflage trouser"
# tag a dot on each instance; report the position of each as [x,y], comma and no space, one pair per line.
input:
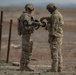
[26,50]
[57,61]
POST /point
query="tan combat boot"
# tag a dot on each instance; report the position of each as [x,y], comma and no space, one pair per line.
[59,69]
[28,68]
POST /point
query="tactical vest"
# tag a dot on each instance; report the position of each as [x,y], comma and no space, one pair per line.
[25,24]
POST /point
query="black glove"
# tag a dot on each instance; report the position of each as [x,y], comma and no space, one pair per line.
[36,24]
[43,24]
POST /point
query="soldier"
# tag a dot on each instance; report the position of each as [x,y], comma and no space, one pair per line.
[54,26]
[26,28]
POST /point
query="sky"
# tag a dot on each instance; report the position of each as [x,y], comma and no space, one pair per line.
[37,2]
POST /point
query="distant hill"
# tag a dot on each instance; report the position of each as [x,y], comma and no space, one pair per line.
[39,4]
[71,5]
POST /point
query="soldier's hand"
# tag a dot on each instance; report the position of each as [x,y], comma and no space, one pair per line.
[43,18]
[36,24]
[43,22]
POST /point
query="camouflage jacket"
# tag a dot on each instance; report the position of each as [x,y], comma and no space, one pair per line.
[25,24]
[55,23]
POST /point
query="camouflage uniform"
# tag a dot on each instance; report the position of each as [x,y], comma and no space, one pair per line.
[26,32]
[55,36]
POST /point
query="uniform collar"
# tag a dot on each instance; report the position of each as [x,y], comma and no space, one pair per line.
[54,12]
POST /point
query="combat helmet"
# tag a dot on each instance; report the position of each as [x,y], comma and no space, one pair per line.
[29,6]
[51,5]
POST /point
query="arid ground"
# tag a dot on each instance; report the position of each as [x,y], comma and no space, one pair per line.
[41,59]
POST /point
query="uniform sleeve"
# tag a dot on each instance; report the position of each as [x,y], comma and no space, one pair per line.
[55,23]
[28,18]
[61,20]
[48,18]
[57,20]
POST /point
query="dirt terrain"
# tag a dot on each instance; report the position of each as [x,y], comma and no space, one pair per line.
[41,59]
